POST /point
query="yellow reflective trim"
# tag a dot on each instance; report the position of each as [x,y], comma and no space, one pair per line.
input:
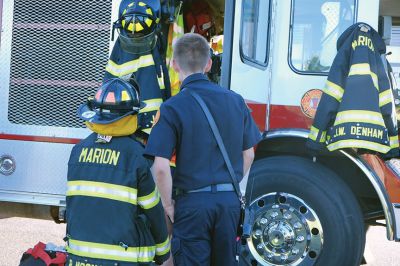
[102,190]
[146,130]
[129,67]
[142,4]
[355,143]
[313,133]
[161,83]
[360,116]
[149,201]
[125,96]
[364,69]
[151,105]
[394,141]
[385,97]
[148,22]
[138,27]
[110,252]
[323,136]
[163,248]
[334,90]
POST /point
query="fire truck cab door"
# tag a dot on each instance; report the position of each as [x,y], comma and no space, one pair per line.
[250,75]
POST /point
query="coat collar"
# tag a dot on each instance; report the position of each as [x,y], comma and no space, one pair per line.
[193,78]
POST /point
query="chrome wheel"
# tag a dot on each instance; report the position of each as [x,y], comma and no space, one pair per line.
[286,231]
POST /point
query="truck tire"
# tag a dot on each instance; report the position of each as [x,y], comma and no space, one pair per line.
[304,214]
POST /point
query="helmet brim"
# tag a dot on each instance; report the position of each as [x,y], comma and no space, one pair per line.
[87,114]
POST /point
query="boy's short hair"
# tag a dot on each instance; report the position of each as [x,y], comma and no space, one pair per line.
[191,52]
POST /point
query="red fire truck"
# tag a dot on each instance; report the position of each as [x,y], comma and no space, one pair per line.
[276,54]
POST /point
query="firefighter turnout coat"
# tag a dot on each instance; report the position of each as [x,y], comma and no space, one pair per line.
[111,196]
[356,106]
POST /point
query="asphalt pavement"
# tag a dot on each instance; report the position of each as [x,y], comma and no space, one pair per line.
[19,234]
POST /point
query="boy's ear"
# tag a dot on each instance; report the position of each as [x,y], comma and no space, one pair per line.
[208,66]
[175,66]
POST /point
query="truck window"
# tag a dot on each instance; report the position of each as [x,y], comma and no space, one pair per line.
[315,27]
[254,32]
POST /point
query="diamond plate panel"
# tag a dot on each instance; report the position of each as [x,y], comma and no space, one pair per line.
[58,54]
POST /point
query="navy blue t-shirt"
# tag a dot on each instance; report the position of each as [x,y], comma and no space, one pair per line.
[183,128]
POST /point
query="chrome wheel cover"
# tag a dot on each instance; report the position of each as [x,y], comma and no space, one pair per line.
[286,231]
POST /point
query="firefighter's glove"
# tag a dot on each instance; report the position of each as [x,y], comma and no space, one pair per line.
[314,148]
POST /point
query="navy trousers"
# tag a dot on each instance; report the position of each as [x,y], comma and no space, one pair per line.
[204,231]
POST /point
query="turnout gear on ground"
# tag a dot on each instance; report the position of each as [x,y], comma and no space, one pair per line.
[356,108]
[114,212]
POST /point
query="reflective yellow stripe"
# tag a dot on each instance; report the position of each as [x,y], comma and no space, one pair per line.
[163,248]
[360,116]
[102,190]
[110,252]
[323,136]
[149,201]
[151,105]
[394,141]
[385,97]
[313,133]
[334,90]
[364,69]
[146,130]
[161,82]
[355,143]
[129,67]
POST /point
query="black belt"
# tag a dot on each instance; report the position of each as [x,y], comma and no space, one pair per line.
[225,187]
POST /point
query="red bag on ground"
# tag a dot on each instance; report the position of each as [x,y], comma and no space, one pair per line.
[38,256]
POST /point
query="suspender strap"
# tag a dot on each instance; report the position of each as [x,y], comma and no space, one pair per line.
[220,143]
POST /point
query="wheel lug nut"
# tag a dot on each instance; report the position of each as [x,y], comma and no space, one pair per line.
[274,214]
[263,221]
[270,256]
[297,225]
[287,216]
[284,257]
[276,206]
[260,246]
[300,238]
[258,232]
[295,251]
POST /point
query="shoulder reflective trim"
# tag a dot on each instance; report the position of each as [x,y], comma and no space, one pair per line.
[151,105]
[394,141]
[110,252]
[313,133]
[149,201]
[359,116]
[385,97]
[354,143]
[334,90]
[102,190]
[364,69]
[130,66]
[163,248]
